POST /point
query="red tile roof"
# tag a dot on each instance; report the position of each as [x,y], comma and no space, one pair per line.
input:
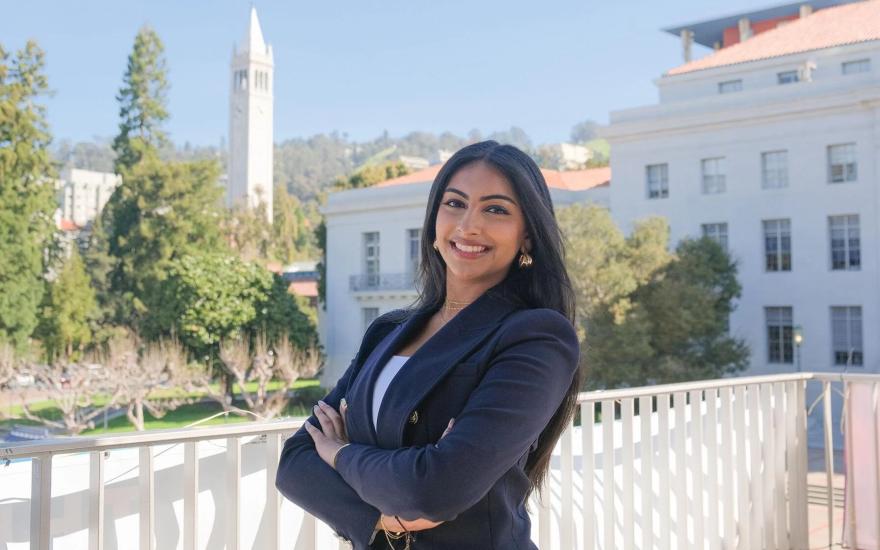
[574,180]
[835,26]
[68,225]
[308,289]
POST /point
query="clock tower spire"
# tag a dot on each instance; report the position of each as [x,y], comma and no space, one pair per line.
[250,122]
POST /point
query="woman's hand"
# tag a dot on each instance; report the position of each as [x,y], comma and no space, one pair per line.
[398,526]
[392,523]
[332,436]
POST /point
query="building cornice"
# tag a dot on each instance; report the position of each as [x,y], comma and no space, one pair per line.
[709,115]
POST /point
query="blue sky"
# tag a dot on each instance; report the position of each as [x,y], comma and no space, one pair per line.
[364,66]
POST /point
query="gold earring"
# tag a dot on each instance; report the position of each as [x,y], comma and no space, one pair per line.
[435,246]
[525,261]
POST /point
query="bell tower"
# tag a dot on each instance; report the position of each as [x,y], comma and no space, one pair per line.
[250,122]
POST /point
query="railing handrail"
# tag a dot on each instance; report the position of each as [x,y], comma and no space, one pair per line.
[141,439]
[645,391]
[179,435]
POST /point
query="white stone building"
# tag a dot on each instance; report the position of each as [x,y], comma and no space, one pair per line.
[770,145]
[373,251]
[82,194]
[249,179]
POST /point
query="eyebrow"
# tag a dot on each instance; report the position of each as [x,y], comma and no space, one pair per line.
[483,198]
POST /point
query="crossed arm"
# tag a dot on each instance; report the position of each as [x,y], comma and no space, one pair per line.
[504,416]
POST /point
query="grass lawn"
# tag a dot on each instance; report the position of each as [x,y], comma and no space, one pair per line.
[178,418]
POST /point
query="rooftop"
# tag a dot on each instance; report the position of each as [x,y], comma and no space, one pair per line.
[837,25]
[573,180]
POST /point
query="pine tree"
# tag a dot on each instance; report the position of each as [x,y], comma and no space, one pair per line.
[142,100]
[163,209]
[70,307]
[27,194]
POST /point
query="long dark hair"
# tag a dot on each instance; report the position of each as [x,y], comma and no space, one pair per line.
[544,285]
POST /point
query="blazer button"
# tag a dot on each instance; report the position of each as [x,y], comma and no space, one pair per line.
[414,417]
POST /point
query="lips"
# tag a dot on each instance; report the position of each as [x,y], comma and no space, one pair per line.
[469,250]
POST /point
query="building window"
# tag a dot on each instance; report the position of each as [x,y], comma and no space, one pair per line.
[413,250]
[657,180]
[717,232]
[371,258]
[774,169]
[842,164]
[369,314]
[714,180]
[780,335]
[241,80]
[846,335]
[787,77]
[777,245]
[858,66]
[730,86]
[843,232]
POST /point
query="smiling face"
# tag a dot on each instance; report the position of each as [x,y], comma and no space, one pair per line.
[480,230]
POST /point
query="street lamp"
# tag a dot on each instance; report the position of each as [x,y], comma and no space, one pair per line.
[798,340]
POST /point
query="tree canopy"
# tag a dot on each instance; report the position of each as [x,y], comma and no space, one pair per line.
[647,315]
[27,193]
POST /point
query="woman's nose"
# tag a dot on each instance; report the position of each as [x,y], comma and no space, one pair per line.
[469,223]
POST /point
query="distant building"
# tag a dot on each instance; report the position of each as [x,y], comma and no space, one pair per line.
[302,278]
[251,146]
[570,156]
[373,253]
[770,146]
[414,163]
[82,194]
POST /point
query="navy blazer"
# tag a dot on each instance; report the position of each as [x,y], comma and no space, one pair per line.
[501,371]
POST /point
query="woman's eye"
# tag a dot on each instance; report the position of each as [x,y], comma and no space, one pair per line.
[494,209]
[454,203]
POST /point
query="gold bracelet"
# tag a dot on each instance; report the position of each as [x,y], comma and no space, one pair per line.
[395,535]
[336,454]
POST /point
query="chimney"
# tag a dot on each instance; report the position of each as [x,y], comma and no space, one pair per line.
[806,9]
[745,29]
[687,40]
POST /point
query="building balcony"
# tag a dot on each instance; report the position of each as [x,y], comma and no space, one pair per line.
[383,282]
[713,464]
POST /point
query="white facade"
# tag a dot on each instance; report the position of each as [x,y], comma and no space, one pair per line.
[760,153]
[250,122]
[82,194]
[372,254]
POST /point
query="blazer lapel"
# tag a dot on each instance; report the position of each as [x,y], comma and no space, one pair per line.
[360,394]
[433,360]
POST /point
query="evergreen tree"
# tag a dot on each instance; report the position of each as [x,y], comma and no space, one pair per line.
[27,194]
[142,100]
[69,308]
[162,210]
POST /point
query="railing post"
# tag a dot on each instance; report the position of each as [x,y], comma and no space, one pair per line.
[96,500]
[233,492]
[566,465]
[588,475]
[829,457]
[626,488]
[190,495]
[681,496]
[147,486]
[273,498]
[41,502]
[802,513]
[646,485]
[607,473]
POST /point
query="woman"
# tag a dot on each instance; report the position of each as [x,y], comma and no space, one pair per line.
[450,410]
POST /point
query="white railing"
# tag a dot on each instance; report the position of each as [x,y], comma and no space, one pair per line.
[708,465]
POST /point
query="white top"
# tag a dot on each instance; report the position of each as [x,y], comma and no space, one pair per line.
[389,371]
